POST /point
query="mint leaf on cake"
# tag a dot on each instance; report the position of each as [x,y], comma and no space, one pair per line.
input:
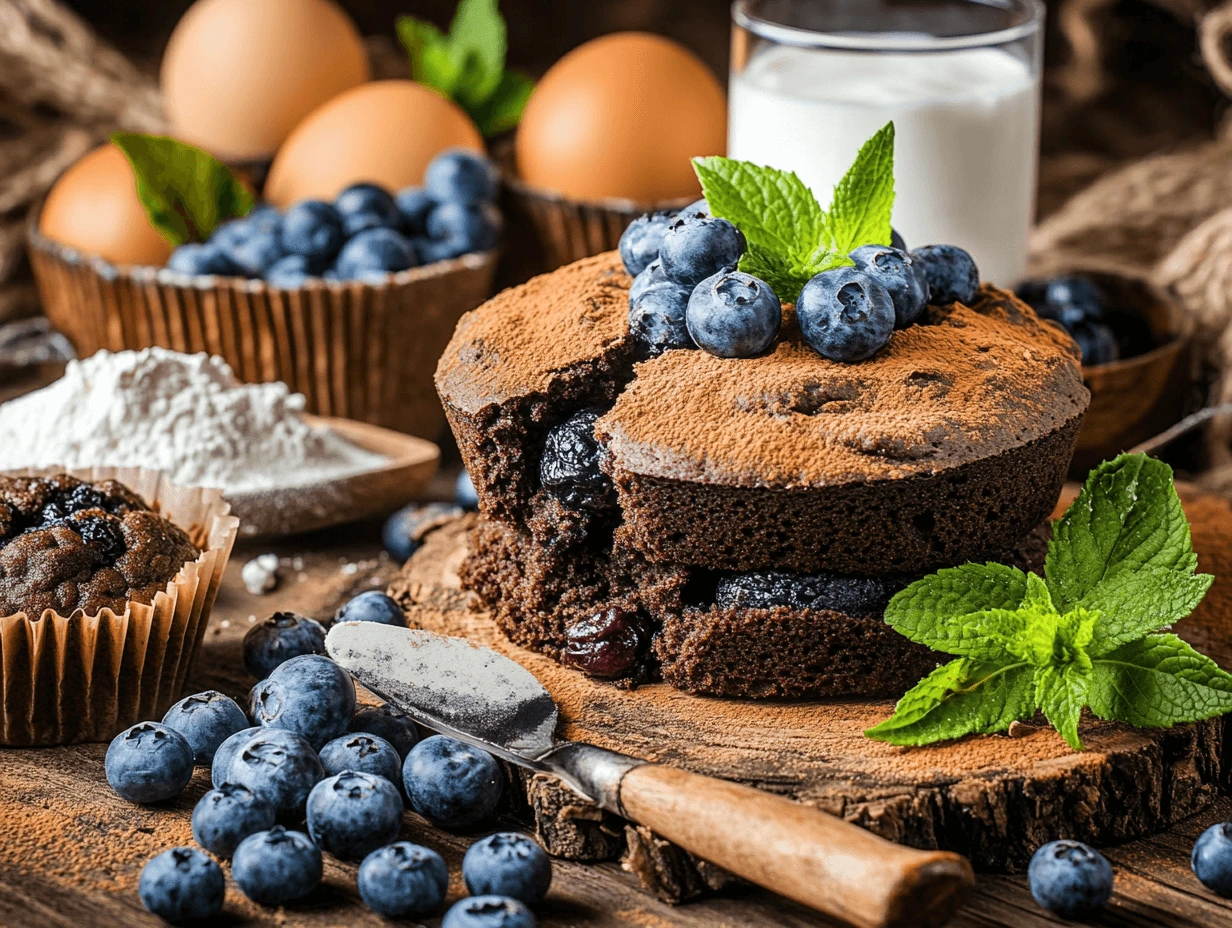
[864,198]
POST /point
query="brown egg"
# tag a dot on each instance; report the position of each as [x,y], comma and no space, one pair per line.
[93,207]
[385,133]
[239,75]
[620,117]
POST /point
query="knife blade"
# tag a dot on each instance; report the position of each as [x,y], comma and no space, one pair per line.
[476,695]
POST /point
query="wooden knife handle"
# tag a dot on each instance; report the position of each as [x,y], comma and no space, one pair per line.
[807,855]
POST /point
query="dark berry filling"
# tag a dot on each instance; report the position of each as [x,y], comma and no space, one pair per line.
[569,468]
[608,644]
[770,588]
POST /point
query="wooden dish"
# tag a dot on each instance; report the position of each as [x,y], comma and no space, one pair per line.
[307,507]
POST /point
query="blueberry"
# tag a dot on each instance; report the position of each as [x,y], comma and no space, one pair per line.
[103,533]
[507,864]
[641,241]
[895,270]
[363,753]
[845,314]
[281,768]
[403,879]
[221,768]
[388,722]
[372,606]
[264,217]
[459,175]
[309,695]
[312,229]
[464,493]
[950,272]
[695,210]
[608,644]
[1212,859]
[149,762]
[696,248]
[896,240]
[276,866]
[1097,343]
[1034,294]
[206,720]
[462,229]
[227,815]
[430,252]
[197,259]
[451,784]
[832,592]
[405,530]
[569,468]
[291,272]
[279,638]
[182,883]
[351,814]
[373,253]
[255,253]
[1074,299]
[367,206]
[657,318]
[652,276]
[1070,879]
[489,912]
[414,204]
[733,315]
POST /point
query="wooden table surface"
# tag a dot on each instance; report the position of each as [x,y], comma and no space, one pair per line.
[71,850]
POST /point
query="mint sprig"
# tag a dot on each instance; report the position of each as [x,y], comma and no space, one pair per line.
[186,192]
[467,64]
[1120,567]
[791,238]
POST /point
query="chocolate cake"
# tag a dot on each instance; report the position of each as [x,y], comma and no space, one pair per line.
[71,546]
[758,512]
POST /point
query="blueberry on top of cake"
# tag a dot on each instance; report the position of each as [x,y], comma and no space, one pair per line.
[68,545]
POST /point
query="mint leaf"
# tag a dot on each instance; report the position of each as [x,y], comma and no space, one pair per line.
[773,208]
[1061,692]
[969,611]
[1158,681]
[864,198]
[186,192]
[503,110]
[1133,603]
[431,54]
[961,698]
[478,33]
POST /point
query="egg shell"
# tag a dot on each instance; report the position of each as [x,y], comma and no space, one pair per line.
[384,133]
[94,208]
[239,75]
[620,117]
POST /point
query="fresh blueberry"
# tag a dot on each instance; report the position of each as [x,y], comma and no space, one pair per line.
[489,912]
[403,879]
[367,206]
[387,722]
[1034,294]
[430,252]
[281,768]
[463,228]
[464,493]
[895,270]
[255,253]
[733,315]
[641,241]
[507,864]
[221,768]
[206,720]
[404,531]
[363,753]
[459,175]
[196,259]
[374,253]
[1097,342]
[950,272]
[569,468]
[451,784]
[1212,859]
[309,695]
[351,814]
[896,240]
[182,883]
[277,866]
[845,314]
[414,204]
[696,248]
[1074,299]
[264,217]
[768,589]
[149,763]
[698,209]
[372,606]
[313,229]
[657,318]
[652,276]
[227,815]
[291,272]
[1070,879]
[608,644]
[279,638]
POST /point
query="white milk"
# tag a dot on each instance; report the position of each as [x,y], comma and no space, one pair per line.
[967,128]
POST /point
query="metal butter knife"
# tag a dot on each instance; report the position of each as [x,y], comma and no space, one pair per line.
[478,696]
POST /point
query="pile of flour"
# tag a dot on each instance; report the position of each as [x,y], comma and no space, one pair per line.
[186,415]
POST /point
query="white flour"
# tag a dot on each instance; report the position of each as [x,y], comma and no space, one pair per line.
[186,415]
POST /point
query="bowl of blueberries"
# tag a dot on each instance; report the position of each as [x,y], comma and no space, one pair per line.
[349,302]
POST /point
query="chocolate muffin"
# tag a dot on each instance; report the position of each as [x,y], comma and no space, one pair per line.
[73,547]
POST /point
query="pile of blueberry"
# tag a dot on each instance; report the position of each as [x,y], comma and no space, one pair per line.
[303,773]
[688,293]
[365,234]
[1078,304]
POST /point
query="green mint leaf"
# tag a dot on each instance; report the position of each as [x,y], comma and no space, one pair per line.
[431,55]
[1127,516]
[503,110]
[477,33]
[1158,681]
[186,192]
[1135,602]
[1061,692]
[864,198]
[785,278]
[960,698]
[1036,596]
[1051,640]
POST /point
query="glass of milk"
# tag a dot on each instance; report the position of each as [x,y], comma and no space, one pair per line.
[811,80]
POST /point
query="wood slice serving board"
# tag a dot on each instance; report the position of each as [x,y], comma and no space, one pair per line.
[993,798]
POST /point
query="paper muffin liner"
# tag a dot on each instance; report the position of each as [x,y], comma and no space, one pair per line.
[359,350]
[65,679]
